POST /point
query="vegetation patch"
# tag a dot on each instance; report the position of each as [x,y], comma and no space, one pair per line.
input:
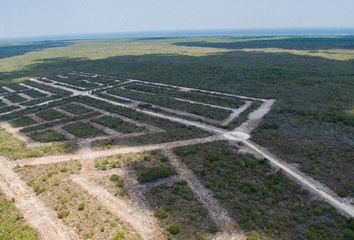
[260,199]
[75,206]
[22,122]
[15,98]
[14,149]
[75,109]
[118,124]
[83,130]
[120,160]
[12,226]
[153,167]
[34,94]
[165,100]
[50,115]
[179,212]
[47,136]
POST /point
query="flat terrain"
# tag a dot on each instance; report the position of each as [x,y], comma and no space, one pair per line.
[211,139]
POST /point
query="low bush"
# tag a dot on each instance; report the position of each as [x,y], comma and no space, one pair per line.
[63,213]
[174,229]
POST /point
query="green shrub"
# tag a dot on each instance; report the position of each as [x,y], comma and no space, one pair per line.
[253,236]
[81,206]
[174,229]
[149,174]
[38,189]
[114,178]
[119,236]
[161,214]
[63,213]
[119,182]
[213,229]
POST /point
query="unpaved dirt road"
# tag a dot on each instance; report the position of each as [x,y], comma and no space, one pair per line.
[143,222]
[229,228]
[307,182]
[32,209]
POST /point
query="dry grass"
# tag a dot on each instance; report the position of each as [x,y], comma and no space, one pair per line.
[333,54]
[14,149]
[77,208]
[103,49]
[12,226]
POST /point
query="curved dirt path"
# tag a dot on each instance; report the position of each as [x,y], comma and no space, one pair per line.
[44,220]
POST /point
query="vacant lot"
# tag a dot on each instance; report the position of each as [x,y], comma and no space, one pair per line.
[47,136]
[14,149]
[83,130]
[79,210]
[117,124]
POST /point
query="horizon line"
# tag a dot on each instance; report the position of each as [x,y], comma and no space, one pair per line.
[223,32]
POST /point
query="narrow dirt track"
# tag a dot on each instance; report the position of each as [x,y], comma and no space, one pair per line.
[32,209]
[229,228]
[113,151]
[255,117]
[143,222]
[236,113]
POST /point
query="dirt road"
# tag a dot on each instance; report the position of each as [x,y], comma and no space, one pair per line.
[32,209]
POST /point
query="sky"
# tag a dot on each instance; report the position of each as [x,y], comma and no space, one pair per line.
[23,18]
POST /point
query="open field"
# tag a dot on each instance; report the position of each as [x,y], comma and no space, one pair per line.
[223,140]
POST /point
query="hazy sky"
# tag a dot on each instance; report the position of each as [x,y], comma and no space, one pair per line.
[46,17]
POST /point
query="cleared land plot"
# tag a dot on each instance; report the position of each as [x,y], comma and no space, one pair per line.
[83,130]
[34,94]
[47,88]
[264,202]
[77,208]
[47,136]
[22,122]
[166,101]
[192,95]
[78,82]
[75,109]
[12,226]
[117,124]
[8,109]
[173,131]
[50,115]
[15,98]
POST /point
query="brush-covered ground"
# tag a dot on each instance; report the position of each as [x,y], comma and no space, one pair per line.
[311,78]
